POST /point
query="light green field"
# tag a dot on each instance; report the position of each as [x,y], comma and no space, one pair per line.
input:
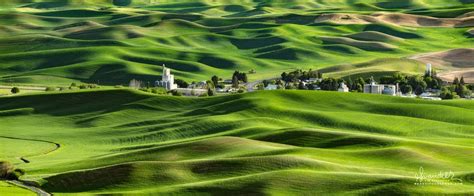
[11,190]
[58,42]
[8,91]
[282,142]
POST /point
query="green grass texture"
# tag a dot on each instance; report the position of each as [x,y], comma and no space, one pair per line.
[279,142]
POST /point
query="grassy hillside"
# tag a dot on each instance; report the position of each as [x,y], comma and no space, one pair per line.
[282,142]
[11,190]
[57,42]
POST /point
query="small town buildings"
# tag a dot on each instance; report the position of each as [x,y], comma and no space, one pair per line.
[221,90]
[167,80]
[314,80]
[192,92]
[271,87]
[343,88]
[136,84]
[199,85]
[385,89]
[430,96]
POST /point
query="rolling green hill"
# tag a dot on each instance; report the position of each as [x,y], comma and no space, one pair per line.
[57,42]
[281,142]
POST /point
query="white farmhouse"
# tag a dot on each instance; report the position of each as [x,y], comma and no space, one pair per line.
[343,88]
[167,80]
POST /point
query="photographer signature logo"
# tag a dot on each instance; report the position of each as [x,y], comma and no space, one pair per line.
[441,178]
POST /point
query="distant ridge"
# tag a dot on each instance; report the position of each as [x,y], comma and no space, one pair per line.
[354,4]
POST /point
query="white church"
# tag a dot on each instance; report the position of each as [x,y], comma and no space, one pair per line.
[167,80]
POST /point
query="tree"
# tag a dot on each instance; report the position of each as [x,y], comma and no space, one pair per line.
[432,82]
[284,77]
[266,83]
[462,91]
[210,92]
[405,89]
[73,84]
[320,75]
[456,81]
[235,82]
[181,83]
[350,83]
[418,83]
[240,76]
[279,82]
[359,85]
[419,90]
[215,80]
[462,81]
[244,77]
[470,87]
[387,80]
[329,84]
[15,90]
[446,93]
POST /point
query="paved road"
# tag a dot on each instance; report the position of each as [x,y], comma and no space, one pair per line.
[251,85]
[30,187]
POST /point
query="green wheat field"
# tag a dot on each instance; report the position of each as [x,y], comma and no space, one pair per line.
[116,141]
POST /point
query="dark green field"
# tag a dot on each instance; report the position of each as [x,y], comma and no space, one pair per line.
[122,141]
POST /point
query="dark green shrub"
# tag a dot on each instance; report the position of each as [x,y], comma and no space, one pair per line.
[15,90]
[181,83]
[51,88]
[176,93]
[159,91]
[210,92]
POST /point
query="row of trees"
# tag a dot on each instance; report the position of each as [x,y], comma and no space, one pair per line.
[458,89]
[16,90]
[300,75]
[416,84]
[75,86]
[237,77]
